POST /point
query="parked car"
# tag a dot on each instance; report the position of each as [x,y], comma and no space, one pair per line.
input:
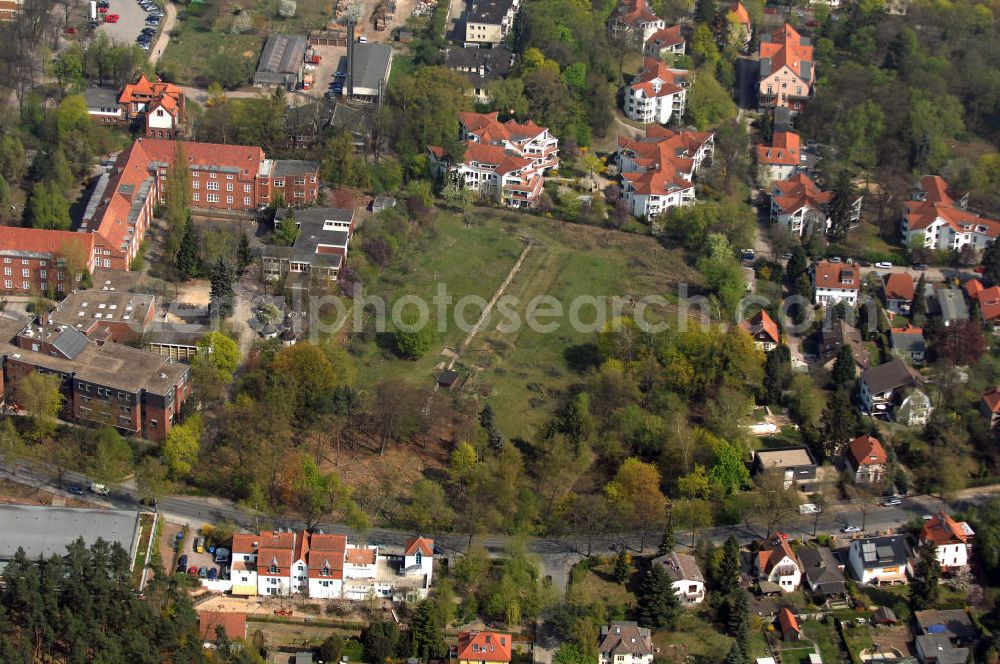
[213,574]
[102,10]
[111,18]
[850,529]
[222,555]
[979,270]
[891,502]
[835,259]
[152,20]
[199,544]
[202,572]
[99,489]
[193,570]
[809,508]
[747,254]
[919,267]
[75,489]
[69,31]
[103,3]
[884,265]
[182,563]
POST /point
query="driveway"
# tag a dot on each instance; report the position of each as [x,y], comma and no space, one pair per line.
[131,21]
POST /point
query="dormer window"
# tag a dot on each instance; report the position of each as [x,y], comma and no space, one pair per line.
[273,569]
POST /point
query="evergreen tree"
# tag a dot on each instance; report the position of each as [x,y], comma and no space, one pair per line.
[487,418]
[839,423]
[223,296]
[738,622]
[244,255]
[735,655]
[842,373]
[658,605]
[667,542]
[841,208]
[380,639]
[622,567]
[189,253]
[426,633]
[798,264]
[729,567]
[286,231]
[991,264]
[918,312]
[925,585]
[705,11]
[777,374]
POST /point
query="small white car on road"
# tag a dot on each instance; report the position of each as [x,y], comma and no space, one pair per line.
[810,508]
[99,489]
[884,265]
[850,529]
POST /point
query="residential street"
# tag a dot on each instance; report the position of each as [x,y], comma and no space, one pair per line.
[556,554]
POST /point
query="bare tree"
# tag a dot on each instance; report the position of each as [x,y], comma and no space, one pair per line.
[773,499]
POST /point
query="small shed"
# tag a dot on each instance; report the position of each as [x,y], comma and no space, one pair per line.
[447,378]
[790,630]
[884,616]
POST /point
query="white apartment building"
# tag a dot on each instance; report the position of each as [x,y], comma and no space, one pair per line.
[942,221]
[489,21]
[951,539]
[657,94]
[836,282]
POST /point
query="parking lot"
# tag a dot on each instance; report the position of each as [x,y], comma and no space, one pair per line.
[170,556]
[323,73]
[131,21]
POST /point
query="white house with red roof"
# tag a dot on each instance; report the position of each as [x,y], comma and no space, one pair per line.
[941,221]
[799,206]
[868,459]
[899,292]
[989,405]
[782,159]
[657,93]
[275,555]
[635,17]
[787,69]
[952,540]
[666,42]
[326,565]
[777,566]
[418,558]
[657,170]
[505,161]
[836,282]
[159,104]
[764,331]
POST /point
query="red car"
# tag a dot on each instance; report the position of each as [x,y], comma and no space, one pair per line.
[979,270]
[111,18]
[193,571]
[102,10]
[69,31]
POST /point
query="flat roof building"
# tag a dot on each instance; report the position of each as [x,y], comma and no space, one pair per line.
[281,62]
[370,70]
[44,531]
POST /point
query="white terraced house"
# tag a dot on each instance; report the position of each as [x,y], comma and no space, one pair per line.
[326,566]
[942,221]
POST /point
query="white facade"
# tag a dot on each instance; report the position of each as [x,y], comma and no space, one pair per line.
[890,572]
[649,205]
[271,582]
[160,119]
[658,94]
[689,591]
[830,296]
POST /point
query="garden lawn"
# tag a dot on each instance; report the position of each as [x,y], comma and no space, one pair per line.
[595,583]
[825,637]
[703,643]
[519,368]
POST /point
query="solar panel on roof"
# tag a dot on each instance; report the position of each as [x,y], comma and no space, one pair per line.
[884,552]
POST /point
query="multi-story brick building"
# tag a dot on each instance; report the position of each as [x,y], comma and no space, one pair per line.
[34,260]
[116,316]
[159,105]
[138,393]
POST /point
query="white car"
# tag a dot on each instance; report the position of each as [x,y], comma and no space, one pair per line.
[850,529]
[810,508]
[884,265]
[99,489]
[891,502]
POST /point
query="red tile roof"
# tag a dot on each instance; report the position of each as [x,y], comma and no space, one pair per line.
[424,545]
[327,551]
[899,286]
[502,160]
[867,451]
[991,398]
[635,12]
[788,621]
[838,276]
[246,158]
[301,547]
[797,192]
[656,79]
[484,646]
[939,204]
[942,529]
[667,37]
[664,158]
[761,323]
[786,49]
[233,624]
[359,556]
[972,288]
[785,150]
[489,129]
[989,303]
[742,15]
[772,553]
[245,542]
[46,242]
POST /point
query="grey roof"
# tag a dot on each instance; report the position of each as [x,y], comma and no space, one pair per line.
[371,65]
[782,119]
[680,567]
[489,12]
[174,334]
[765,67]
[62,337]
[625,636]
[939,648]
[889,376]
[796,458]
[47,531]
[101,98]
[81,309]
[354,120]
[840,332]
[480,65]
[281,60]
[293,168]
[910,342]
[877,552]
[953,623]
[822,570]
[952,304]
[312,236]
